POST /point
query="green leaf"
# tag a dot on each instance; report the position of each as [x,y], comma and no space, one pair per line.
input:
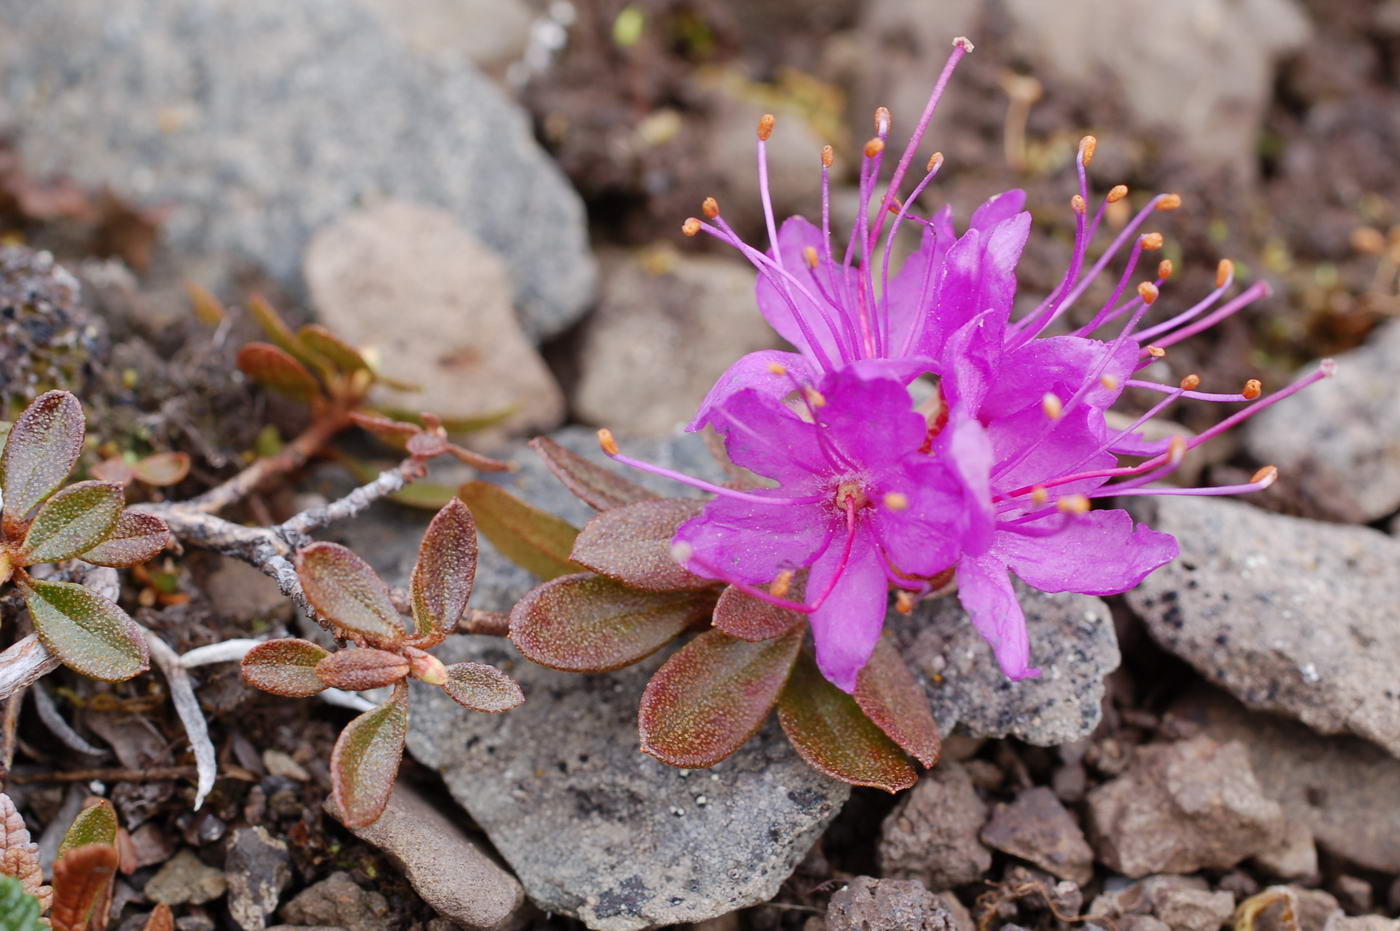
[162,469]
[96,824]
[741,615]
[284,667]
[280,334]
[348,594]
[277,371]
[827,728]
[586,623]
[19,911]
[321,341]
[527,536]
[712,695]
[135,538]
[207,308]
[443,574]
[73,521]
[40,451]
[594,485]
[366,759]
[361,668]
[891,698]
[426,496]
[453,425]
[90,634]
[482,688]
[632,545]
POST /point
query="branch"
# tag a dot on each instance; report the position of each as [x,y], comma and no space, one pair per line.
[23,663]
[187,707]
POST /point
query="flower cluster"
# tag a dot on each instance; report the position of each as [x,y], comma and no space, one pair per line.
[995,471]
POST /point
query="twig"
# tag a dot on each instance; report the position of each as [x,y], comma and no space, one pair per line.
[54,720]
[488,623]
[9,725]
[291,457]
[24,662]
[187,707]
[228,651]
[152,774]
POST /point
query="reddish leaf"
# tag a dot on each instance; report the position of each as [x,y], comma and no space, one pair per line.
[135,538]
[95,824]
[395,432]
[827,728]
[207,308]
[284,667]
[527,536]
[274,369]
[712,695]
[90,634]
[426,445]
[366,759]
[477,460]
[748,618]
[327,345]
[357,669]
[443,574]
[113,470]
[596,486]
[40,451]
[162,919]
[82,882]
[586,623]
[19,857]
[632,545]
[72,522]
[347,594]
[280,334]
[892,700]
[482,688]
[162,469]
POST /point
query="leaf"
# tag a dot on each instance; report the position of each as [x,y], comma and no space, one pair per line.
[95,824]
[162,469]
[356,669]
[40,451]
[594,485]
[19,911]
[73,521]
[275,370]
[527,536]
[586,623]
[208,309]
[82,881]
[443,574]
[827,728]
[712,695]
[19,857]
[482,688]
[366,759]
[453,425]
[426,496]
[135,538]
[741,615]
[162,919]
[890,697]
[394,432]
[632,545]
[284,667]
[90,634]
[280,334]
[321,341]
[345,591]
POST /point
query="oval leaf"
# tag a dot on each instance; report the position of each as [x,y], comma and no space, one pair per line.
[161,469]
[135,538]
[96,824]
[332,348]
[632,545]
[712,695]
[586,623]
[347,594]
[366,759]
[279,333]
[891,698]
[275,370]
[90,634]
[482,688]
[594,485]
[40,451]
[748,618]
[361,669]
[527,536]
[82,882]
[827,728]
[284,667]
[443,574]
[19,911]
[73,521]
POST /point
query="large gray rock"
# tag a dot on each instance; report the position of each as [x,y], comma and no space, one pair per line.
[1288,614]
[1342,435]
[257,122]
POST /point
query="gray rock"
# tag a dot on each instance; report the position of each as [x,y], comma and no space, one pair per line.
[337,902]
[1290,615]
[1036,827]
[489,33]
[415,286]
[1294,857]
[866,904]
[258,122]
[1350,449]
[1340,922]
[450,872]
[258,868]
[185,879]
[1184,903]
[932,833]
[1181,807]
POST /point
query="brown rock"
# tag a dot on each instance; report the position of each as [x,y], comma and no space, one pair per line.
[1184,903]
[337,902]
[1355,894]
[1036,827]
[1361,923]
[1181,807]
[1294,857]
[932,834]
[1289,908]
[867,904]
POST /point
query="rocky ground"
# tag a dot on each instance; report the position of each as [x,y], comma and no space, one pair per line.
[489,193]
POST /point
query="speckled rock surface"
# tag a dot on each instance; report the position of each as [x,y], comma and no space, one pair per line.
[932,833]
[1290,615]
[867,904]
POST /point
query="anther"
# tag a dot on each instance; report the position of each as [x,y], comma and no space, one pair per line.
[1265,476]
[1052,405]
[896,205]
[1368,240]
[765,126]
[809,255]
[1191,382]
[1165,269]
[828,156]
[606,440]
[1117,193]
[780,585]
[691,226]
[964,43]
[903,602]
[777,369]
[681,552]
[1156,352]
[1223,271]
[1109,382]
[1147,291]
[1039,495]
[896,500]
[882,120]
[874,147]
[710,207]
[1087,145]
[1169,202]
[1076,203]
[1151,242]
[1073,504]
[814,397]
[934,161]
[1176,449]
[1252,389]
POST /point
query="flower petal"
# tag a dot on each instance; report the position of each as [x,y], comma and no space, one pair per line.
[742,541]
[764,436]
[964,443]
[847,625]
[923,538]
[998,208]
[827,282]
[754,371]
[1098,553]
[1058,365]
[1055,448]
[984,588]
[869,417]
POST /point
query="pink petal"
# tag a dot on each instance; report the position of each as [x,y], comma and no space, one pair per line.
[965,444]
[847,625]
[997,208]
[984,588]
[870,418]
[924,538]
[1099,553]
[831,279]
[764,436]
[747,542]
[1060,365]
[754,371]
[1055,448]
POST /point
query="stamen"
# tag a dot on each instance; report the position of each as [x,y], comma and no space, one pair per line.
[765,126]
[1191,382]
[777,369]
[1148,292]
[782,584]
[903,602]
[882,121]
[1169,202]
[607,442]
[1265,476]
[710,207]
[814,397]
[1039,495]
[934,161]
[1052,406]
[896,500]
[1076,203]
[1109,382]
[1165,269]
[691,226]
[1151,242]
[874,147]
[809,255]
[1249,296]
[1155,352]
[605,439]
[1224,272]
[1073,504]
[828,156]
[1252,389]
[1087,146]
[1117,193]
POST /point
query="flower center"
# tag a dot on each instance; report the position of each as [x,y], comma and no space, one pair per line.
[852,492]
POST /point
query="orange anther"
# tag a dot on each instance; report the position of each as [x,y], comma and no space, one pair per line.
[1224,272]
[1169,202]
[1252,389]
[874,147]
[765,126]
[1147,291]
[1191,382]
[691,226]
[606,440]
[1117,193]
[710,207]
